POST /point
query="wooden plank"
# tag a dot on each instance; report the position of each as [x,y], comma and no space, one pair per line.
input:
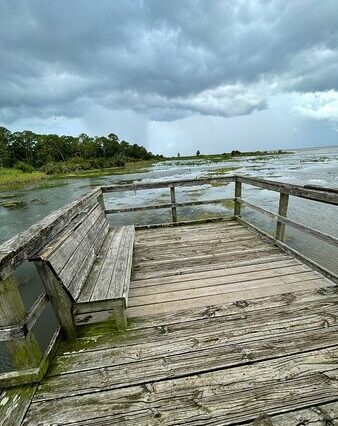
[166,184]
[68,240]
[190,227]
[96,237]
[135,312]
[167,206]
[221,287]
[198,362]
[188,240]
[196,402]
[274,256]
[320,415]
[120,278]
[14,403]
[22,246]
[92,278]
[302,272]
[126,356]
[191,246]
[104,278]
[95,305]
[184,337]
[221,271]
[60,300]
[169,255]
[84,258]
[329,197]
[181,223]
[67,259]
[255,247]
[76,284]
[241,307]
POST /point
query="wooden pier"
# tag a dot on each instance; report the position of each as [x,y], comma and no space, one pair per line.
[210,322]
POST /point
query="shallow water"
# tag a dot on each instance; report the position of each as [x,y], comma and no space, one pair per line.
[316,166]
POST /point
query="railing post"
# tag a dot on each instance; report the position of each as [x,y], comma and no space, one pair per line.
[100,199]
[282,211]
[238,194]
[25,353]
[173,202]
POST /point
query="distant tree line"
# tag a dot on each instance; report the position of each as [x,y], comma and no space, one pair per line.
[56,154]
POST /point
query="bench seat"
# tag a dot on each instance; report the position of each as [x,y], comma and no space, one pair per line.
[87,268]
[108,279]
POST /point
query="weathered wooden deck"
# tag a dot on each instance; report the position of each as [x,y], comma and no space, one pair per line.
[224,328]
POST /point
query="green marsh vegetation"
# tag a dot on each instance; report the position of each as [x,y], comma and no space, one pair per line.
[27,157]
[13,178]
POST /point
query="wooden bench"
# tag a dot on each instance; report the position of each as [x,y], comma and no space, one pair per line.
[86,268]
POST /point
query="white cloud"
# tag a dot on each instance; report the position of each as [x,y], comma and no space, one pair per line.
[318,105]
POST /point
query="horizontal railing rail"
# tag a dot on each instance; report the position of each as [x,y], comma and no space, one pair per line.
[308,230]
[325,195]
[166,184]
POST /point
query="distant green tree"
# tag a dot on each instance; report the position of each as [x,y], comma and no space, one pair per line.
[4,142]
[198,153]
[178,155]
[82,152]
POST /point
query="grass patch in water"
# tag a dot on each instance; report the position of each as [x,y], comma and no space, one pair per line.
[194,193]
[219,184]
[13,178]
[129,168]
[222,170]
[18,204]
[228,204]
[8,196]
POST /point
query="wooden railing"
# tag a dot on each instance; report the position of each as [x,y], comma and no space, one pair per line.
[16,324]
[309,192]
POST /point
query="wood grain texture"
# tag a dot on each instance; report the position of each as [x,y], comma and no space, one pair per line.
[25,352]
[213,310]
[317,415]
[14,403]
[155,342]
[228,396]
[22,246]
[138,311]
[59,298]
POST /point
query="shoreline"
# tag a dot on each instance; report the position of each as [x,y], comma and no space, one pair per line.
[12,179]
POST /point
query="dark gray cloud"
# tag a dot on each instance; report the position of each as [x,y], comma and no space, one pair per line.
[165,59]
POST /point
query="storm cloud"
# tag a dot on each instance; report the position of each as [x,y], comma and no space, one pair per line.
[165,60]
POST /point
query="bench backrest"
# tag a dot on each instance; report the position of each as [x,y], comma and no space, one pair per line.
[71,254]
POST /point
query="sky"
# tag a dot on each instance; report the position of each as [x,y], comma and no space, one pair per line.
[173,75]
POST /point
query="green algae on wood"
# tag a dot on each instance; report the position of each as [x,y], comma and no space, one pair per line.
[14,403]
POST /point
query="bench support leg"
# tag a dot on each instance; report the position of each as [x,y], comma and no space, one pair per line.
[60,300]
[120,317]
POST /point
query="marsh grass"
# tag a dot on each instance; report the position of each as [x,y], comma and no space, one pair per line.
[221,170]
[129,168]
[12,178]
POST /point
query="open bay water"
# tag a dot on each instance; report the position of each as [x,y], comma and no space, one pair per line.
[317,166]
